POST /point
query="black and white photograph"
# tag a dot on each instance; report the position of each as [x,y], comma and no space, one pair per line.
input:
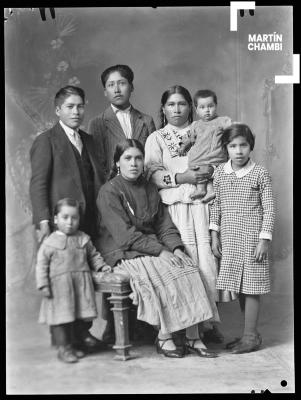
[142,256]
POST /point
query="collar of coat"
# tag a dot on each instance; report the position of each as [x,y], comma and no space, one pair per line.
[240,172]
[59,240]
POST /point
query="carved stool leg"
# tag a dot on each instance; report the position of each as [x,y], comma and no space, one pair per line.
[121,320]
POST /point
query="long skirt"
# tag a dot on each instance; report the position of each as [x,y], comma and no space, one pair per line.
[192,221]
[168,297]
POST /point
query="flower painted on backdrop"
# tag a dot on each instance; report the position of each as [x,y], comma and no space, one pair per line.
[74,81]
[47,75]
[167,179]
[62,66]
[56,44]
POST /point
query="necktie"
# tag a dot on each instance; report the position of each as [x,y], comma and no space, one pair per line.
[77,141]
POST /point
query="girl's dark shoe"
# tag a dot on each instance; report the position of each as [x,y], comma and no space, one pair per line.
[79,353]
[213,335]
[232,344]
[66,354]
[201,352]
[249,342]
[168,353]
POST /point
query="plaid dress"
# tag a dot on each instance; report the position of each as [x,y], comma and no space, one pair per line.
[243,211]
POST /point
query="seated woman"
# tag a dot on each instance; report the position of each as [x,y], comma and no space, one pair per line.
[138,238]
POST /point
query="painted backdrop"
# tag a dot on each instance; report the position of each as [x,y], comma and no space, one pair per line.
[190,46]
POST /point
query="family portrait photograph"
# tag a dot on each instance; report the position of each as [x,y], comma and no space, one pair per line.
[149,199]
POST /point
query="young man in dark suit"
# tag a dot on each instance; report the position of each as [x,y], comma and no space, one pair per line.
[64,163]
[120,120]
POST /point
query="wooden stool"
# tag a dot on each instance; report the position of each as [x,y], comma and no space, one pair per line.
[119,287]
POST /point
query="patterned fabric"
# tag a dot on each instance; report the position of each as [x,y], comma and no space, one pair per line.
[172,137]
[242,209]
[197,242]
[162,162]
[170,298]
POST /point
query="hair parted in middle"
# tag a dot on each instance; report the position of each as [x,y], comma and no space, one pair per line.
[166,95]
[120,149]
[124,70]
[235,130]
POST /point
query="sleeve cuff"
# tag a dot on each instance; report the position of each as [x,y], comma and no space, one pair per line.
[265,235]
[214,227]
[169,179]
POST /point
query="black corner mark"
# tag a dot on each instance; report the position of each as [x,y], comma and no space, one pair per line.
[242,12]
[43,13]
[266,391]
[283,383]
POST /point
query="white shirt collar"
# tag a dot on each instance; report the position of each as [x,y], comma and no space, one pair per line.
[69,131]
[240,172]
[127,110]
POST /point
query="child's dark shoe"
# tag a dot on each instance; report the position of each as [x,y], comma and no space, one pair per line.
[249,342]
[90,344]
[232,344]
[66,354]
[213,335]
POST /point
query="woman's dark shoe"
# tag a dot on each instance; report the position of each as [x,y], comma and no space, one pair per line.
[66,354]
[249,342]
[232,344]
[201,352]
[168,353]
[213,335]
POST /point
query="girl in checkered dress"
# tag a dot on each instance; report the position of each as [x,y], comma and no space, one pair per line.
[241,224]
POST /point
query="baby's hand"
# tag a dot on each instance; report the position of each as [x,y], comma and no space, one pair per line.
[45,290]
[106,268]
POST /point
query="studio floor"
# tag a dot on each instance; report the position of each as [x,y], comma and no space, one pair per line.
[32,366]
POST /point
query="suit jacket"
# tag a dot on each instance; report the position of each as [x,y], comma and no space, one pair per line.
[107,131]
[55,173]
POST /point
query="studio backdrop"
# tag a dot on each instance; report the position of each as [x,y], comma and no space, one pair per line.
[188,46]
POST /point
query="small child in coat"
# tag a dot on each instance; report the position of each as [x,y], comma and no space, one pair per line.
[241,223]
[64,278]
[203,141]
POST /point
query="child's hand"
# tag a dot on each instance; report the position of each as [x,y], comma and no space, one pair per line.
[216,244]
[261,251]
[45,290]
[106,268]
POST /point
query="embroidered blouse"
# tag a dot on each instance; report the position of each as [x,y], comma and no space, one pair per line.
[163,162]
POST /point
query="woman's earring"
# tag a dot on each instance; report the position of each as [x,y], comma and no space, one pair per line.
[118,170]
[165,120]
